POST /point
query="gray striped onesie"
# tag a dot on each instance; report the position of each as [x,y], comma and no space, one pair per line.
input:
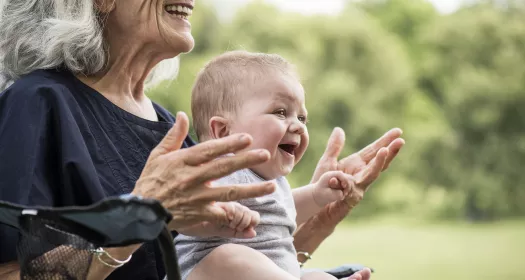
[274,233]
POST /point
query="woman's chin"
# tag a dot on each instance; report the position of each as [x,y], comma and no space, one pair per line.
[179,38]
[179,43]
[187,43]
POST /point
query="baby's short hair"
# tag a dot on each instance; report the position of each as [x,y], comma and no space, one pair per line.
[221,85]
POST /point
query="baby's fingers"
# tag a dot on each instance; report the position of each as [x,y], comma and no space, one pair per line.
[255,218]
[238,215]
[232,212]
[245,221]
[343,180]
[333,183]
[247,233]
[249,218]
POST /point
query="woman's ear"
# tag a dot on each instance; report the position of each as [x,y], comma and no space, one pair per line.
[105,6]
[219,127]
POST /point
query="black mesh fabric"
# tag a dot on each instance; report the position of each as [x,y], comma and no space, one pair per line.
[48,250]
[60,243]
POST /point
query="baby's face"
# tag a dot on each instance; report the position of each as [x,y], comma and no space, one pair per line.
[273,112]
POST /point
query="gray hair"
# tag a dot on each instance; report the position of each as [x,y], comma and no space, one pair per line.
[46,34]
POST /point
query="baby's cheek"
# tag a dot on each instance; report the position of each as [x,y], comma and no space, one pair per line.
[302,149]
[271,137]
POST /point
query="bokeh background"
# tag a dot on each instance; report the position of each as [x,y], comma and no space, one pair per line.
[451,74]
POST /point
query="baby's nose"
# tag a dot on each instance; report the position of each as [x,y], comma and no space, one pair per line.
[297,127]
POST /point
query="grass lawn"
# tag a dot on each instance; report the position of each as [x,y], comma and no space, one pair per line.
[400,251]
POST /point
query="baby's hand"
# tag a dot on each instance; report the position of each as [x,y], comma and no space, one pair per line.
[332,186]
[242,222]
[242,219]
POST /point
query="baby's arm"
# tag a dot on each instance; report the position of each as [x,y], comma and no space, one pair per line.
[310,199]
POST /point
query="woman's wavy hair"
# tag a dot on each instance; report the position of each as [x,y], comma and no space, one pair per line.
[46,34]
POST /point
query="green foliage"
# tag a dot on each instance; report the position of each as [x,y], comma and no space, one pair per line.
[454,83]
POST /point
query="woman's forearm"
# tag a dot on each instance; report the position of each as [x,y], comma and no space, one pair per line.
[10,271]
[98,270]
[310,235]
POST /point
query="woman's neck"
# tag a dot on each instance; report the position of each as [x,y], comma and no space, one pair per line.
[122,81]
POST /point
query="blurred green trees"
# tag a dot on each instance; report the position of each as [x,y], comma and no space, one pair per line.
[454,83]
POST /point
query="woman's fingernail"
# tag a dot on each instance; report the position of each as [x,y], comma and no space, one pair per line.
[271,187]
[243,138]
[260,153]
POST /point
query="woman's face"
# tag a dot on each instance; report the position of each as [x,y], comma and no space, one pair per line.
[163,24]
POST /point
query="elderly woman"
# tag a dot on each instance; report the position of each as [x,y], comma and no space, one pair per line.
[77,127]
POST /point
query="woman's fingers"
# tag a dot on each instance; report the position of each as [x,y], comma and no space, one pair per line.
[369,152]
[373,170]
[213,149]
[335,144]
[227,165]
[215,215]
[175,136]
[393,150]
[235,192]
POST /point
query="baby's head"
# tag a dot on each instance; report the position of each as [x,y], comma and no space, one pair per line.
[254,93]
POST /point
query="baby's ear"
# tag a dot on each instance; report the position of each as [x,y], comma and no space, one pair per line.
[219,127]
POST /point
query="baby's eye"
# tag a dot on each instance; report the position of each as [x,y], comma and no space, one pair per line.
[302,119]
[280,112]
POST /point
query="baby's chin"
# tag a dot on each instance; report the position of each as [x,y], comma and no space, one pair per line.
[271,174]
[283,172]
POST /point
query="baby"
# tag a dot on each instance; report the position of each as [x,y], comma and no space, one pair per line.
[258,94]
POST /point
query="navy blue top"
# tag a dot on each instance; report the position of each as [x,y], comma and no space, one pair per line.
[63,144]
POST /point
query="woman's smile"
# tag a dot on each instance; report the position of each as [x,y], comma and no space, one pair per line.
[180,12]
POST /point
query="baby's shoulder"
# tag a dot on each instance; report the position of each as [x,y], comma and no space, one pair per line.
[243,176]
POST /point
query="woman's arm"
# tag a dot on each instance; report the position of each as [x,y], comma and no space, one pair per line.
[10,271]
[315,230]
[97,270]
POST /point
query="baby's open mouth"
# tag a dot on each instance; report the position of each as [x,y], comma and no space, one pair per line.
[179,10]
[288,148]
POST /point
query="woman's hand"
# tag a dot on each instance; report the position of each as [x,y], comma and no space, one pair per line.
[365,165]
[180,178]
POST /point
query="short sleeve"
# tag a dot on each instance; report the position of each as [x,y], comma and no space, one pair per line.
[25,164]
